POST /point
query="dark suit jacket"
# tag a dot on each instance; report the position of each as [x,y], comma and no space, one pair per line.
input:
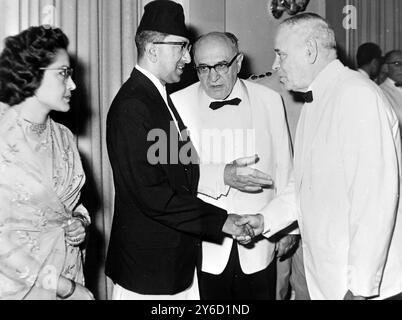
[158,220]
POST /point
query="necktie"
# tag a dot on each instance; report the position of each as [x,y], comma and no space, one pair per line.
[176,114]
[219,104]
[191,153]
[307,96]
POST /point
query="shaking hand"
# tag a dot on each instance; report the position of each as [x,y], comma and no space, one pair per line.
[251,221]
[233,226]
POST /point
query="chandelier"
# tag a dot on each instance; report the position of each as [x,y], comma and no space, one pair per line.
[290,6]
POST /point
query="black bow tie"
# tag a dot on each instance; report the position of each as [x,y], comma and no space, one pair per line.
[307,96]
[219,104]
[398,84]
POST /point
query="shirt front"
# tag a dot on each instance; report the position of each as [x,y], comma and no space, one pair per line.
[221,136]
[222,133]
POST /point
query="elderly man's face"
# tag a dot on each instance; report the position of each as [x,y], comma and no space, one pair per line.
[394,64]
[210,52]
[291,60]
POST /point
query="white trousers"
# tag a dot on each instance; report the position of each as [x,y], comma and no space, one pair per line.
[191,293]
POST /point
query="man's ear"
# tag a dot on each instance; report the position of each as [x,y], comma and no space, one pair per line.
[151,52]
[312,50]
[376,64]
[239,61]
[384,68]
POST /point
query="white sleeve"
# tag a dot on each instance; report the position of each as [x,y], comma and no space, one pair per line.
[281,212]
[211,181]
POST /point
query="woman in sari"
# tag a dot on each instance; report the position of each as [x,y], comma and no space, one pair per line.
[42,223]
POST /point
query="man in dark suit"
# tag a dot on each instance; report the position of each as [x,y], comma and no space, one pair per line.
[158,220]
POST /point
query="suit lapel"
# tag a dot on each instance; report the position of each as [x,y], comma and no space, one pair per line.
[163,120]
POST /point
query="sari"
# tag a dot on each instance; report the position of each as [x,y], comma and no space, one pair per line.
[41,176]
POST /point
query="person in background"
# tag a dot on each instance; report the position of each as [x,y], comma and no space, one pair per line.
[42,223]
[225,109]
[392,85]
[369,60]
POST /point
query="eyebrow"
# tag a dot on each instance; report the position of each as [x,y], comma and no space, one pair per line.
[205,64]
[61,67]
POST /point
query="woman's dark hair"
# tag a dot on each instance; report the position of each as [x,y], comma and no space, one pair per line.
[23,56]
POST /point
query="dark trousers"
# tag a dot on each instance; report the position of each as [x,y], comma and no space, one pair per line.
[233,284]
[396,297]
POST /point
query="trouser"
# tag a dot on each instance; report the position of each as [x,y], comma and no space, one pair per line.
[191,293]
[233,284]
[298,277]
[283,271]
[396,297]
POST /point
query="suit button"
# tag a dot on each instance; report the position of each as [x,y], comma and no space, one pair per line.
[185,188]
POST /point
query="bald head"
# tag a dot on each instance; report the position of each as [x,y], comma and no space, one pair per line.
[311,26]
[226,39]
[219,49]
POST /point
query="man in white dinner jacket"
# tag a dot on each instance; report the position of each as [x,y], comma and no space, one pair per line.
[347,166]
[228,119]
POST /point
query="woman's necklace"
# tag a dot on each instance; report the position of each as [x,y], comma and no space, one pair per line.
[37,128]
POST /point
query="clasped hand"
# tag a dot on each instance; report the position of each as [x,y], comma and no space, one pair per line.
[75,232]
[244,228]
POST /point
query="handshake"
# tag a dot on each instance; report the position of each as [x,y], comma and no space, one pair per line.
[244,228]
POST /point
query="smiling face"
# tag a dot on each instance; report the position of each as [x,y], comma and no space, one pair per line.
[291,60]
[171,60]
[213,50]
[54,92]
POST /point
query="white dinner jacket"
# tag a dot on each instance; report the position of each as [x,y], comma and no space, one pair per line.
[265,115]
[347,174]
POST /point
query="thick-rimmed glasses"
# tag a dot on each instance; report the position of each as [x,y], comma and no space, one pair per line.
[65,72]
[185,46]
[221,67]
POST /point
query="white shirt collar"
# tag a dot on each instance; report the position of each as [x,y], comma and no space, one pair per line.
[331,71]
[390,80]
[391,83]
[161,88]
[364,73]
[237,92]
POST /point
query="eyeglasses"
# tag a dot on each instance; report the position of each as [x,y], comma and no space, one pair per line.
[65,72]
[185,46]
[221,67]
[395,63]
